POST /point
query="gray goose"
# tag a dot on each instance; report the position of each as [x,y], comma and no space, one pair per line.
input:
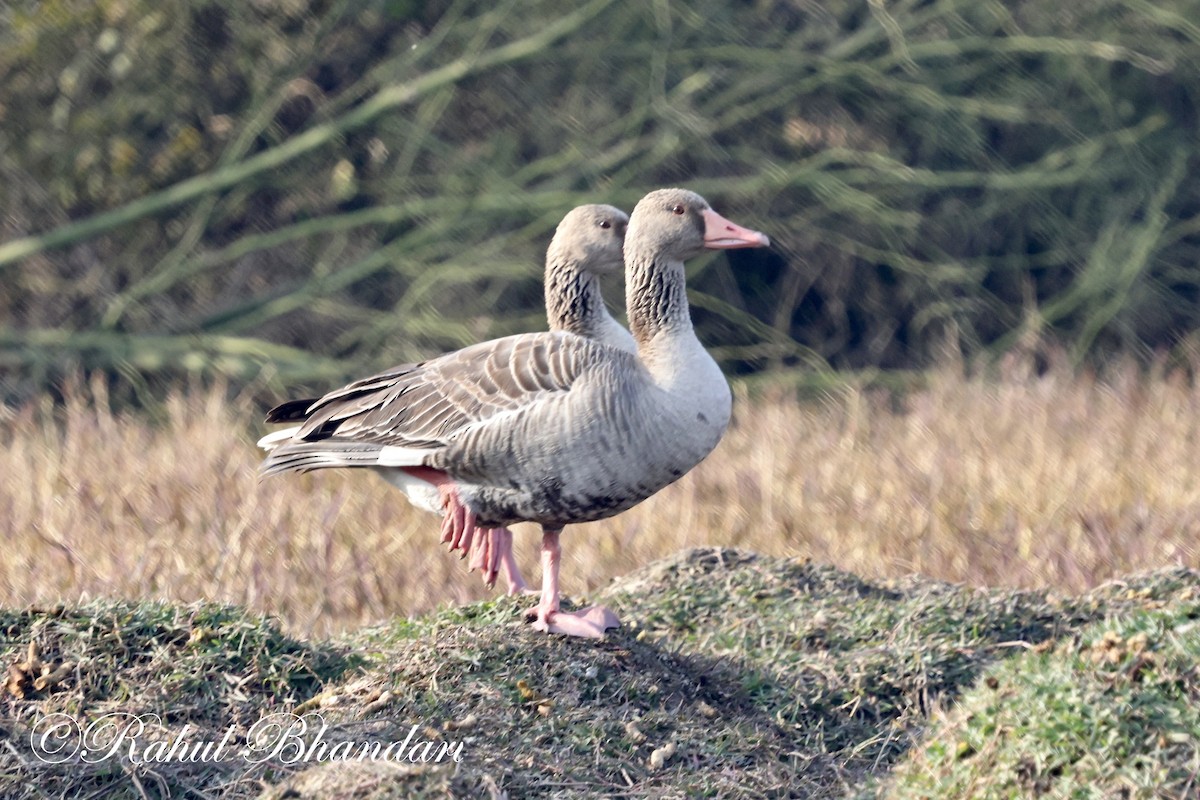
[551,427]
[586,244]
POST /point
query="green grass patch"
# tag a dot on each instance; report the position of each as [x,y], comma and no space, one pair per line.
[734,676]
[1109,712]
[195,670]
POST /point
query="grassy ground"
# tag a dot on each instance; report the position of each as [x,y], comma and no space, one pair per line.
[736,676]
[1020,480]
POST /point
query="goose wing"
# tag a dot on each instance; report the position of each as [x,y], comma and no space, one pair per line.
[425,405]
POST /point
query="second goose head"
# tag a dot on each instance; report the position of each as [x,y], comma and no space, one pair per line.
[587,243]
[591,238]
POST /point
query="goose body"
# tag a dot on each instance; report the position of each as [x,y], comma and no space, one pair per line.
[554,427]
[587,244]
[549,441]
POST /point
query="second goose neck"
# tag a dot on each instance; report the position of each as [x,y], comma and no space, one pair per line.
[573,300]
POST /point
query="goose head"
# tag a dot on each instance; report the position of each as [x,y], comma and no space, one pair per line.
[591,235]
[678,224]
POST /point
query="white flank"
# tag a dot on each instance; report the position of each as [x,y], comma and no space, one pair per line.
[422,494]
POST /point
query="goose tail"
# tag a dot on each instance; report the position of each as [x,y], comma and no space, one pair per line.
[334,454]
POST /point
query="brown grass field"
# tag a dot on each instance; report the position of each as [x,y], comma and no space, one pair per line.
[1057,479]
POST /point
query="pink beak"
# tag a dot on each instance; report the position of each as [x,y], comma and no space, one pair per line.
[721,234]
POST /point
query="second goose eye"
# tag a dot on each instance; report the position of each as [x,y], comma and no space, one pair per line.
[605,224]
[677,209]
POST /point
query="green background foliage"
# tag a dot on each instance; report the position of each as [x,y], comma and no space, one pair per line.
[325,186]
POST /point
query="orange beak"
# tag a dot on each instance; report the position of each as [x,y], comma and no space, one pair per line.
[721,234]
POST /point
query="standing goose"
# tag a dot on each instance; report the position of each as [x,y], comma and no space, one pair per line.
[587,244]
[550,427]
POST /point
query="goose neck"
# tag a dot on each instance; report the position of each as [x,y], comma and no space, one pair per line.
[573,300]
[656,299]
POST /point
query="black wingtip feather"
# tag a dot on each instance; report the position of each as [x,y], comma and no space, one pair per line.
[291,411]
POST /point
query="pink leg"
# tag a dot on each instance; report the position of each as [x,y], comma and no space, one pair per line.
[492,555]
[590,622]
[458,526]
[507,565]
[490,549]
[481,555]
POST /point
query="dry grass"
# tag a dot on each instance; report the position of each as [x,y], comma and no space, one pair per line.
[1019,480]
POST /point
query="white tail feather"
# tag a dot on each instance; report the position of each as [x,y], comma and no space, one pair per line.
[273,440]
[392,456]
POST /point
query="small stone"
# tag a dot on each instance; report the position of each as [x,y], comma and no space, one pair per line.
[661,755]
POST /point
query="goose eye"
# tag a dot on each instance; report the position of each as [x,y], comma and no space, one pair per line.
[605,224]
[677,209]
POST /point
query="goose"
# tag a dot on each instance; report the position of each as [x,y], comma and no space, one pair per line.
[552,428]
[587,244]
